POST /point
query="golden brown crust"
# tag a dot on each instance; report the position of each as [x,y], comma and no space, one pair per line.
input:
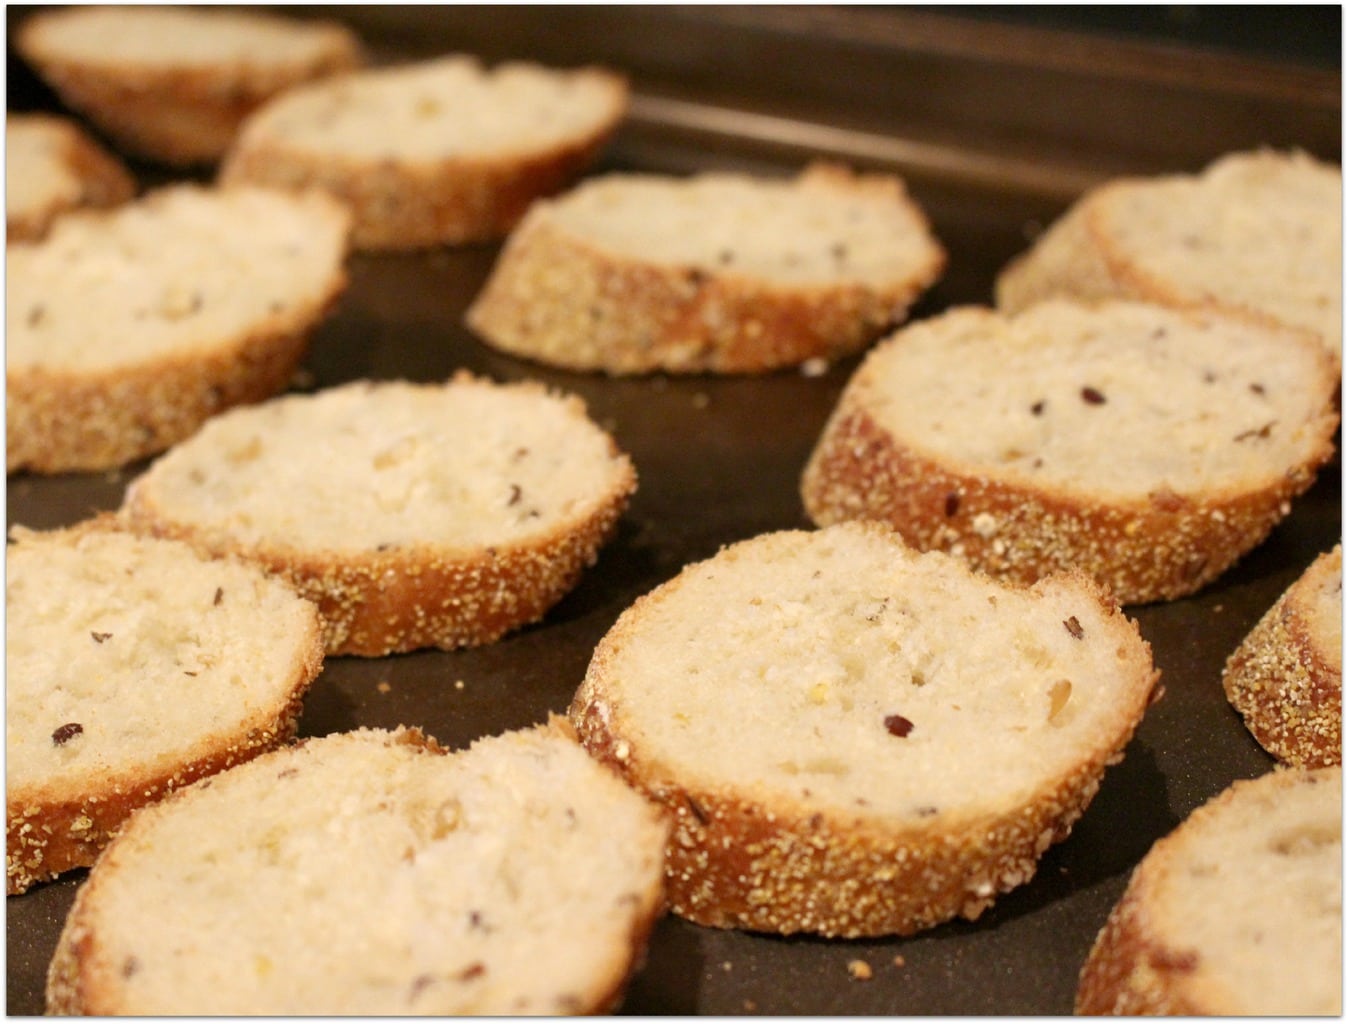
[177,115]
[1159,549]
[104,179]
[1286,686]
[50,830]
[398,205]
[556,299]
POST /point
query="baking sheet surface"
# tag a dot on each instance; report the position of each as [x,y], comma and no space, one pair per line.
[719,460]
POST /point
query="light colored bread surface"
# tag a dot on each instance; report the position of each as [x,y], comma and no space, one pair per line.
[126,329]
[442,151]
[132,667]
[174,83]
[51,166]
[1237,912]
[370,873]
[1149,447]
[1286,677]
[414,514]
[857,739]
[1256,234]
[720,272]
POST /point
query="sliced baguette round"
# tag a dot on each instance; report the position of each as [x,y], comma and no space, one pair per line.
[1286,677]
[414,515]
[173,84]
[52,166]
[126,329]
[1149,447]
[1257,234]
[371,873]
[132,667]
[439,152]
[720,272]
[854,738]
[1238,912]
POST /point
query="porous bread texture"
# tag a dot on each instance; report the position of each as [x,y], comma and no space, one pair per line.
[125,329]
[718,272]
[1239,911]
[371,873]
[1286,677]
[1149,447]
[51,166]
[1257,234]
[133,667]
[173,84]
[443,151]
[414,515]
[854,738]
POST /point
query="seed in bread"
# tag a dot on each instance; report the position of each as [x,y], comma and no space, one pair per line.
[173,84]
[126,329]
[132,667]
[1286,677]
[1149,447]
[415,515]
[854,738]
[1238,912]
[438,152]
[720,272]
[51,166]
[1256,234]
[371,873]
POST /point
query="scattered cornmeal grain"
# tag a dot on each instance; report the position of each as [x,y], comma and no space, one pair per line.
[383,686]
[860,970]
[899,960]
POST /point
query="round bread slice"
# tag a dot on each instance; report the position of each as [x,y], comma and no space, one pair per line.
[51,166]
[370,873]
[414,515]
[720,272]
[854,738]
[1258,234]
[1286,677]
[132,667]
[442,151]
[126,329]
[1238,912]
[1146,446]
[173,84]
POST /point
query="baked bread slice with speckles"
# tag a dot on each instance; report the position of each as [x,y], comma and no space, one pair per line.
[855,738]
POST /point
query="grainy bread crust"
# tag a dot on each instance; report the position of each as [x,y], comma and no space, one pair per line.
[756,861]
[399,204]
[379,602]
[559,299]
[49,830]
[104,179]
[1131,970]
[1286,685]
[176,115]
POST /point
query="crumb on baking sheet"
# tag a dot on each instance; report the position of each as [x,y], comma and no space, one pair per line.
[458,684]
[860,970]
[383,686]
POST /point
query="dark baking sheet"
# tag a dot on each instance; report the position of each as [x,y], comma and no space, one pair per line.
[996,127]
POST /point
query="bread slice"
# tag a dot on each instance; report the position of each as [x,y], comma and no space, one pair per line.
[415,515]
[126,329]
[132,667]
[370,873]
[1286,677]
[1257,234]
[51,166]
[854,738]
[173,84]
[436,152]
[720,272]
[1237,912]
[1149,447]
